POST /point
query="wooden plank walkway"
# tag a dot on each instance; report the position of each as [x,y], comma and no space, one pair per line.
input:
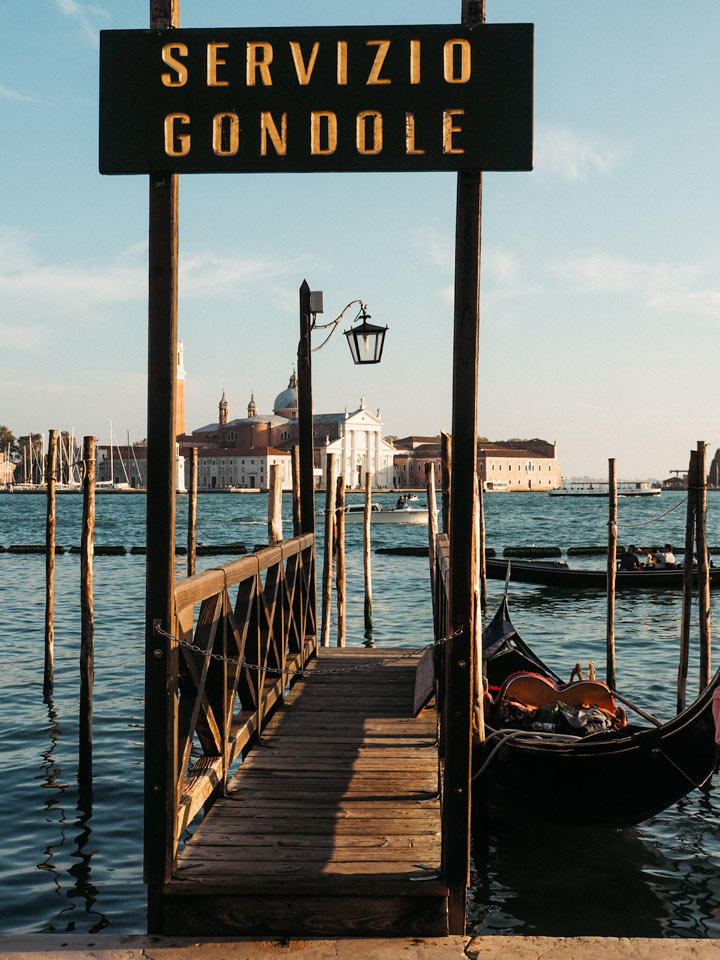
[331,825]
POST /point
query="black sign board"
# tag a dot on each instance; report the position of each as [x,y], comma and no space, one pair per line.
[326,98]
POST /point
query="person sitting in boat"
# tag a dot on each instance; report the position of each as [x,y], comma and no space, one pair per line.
[629,559]
[401,501]
[665,558]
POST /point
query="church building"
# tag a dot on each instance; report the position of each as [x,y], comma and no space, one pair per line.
[229,448]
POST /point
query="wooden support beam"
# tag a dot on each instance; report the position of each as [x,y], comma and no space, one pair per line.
[161,653]
[459,651]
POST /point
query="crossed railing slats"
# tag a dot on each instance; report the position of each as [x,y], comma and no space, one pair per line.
[225,687]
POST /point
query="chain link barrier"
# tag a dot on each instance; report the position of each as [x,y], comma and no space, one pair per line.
[302,673]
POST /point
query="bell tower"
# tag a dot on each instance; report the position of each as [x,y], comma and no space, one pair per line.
[180,393]
[223,410]
[252,406]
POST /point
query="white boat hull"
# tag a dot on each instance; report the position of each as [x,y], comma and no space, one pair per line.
[389,516]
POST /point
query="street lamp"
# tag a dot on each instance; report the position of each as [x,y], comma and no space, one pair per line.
[366,340]
[366,344]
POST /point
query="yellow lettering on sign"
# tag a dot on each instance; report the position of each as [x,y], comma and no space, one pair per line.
[180,69]
[342,62]
[410,148]
[269,129]
[361,132]
[383,47]
[414,61]
[225,127]
[213,62]
[303,72]
[259,57]
[316,124]
[449,61]
[176,144]
[449,129]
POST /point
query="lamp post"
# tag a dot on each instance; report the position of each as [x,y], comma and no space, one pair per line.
[366,342]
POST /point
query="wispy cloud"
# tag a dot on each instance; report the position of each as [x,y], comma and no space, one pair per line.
[7,94]
[39,292]
[86,15]
[673,287]
[574,155]
[434,246]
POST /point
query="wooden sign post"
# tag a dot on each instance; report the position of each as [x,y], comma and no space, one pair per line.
[322,99]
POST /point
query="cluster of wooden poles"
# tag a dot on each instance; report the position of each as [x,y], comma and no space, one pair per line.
[695,537]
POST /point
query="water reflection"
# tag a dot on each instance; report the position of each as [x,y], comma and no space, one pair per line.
[81,888]
[535,880]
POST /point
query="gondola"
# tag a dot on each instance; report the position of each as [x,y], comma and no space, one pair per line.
[618,777]
[558,574]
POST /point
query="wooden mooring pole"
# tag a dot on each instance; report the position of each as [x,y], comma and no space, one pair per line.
[432,520]
[446,445]
[687,583]
[192,513]
[275,524]
[329,548]
[87,617]
[340,556]
[482,569]
[611,570]
[367,608]
[49,670]
[296,490]
[703,566]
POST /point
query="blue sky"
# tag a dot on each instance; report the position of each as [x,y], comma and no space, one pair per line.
[600,303]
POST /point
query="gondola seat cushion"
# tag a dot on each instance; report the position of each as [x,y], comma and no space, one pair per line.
[535,691]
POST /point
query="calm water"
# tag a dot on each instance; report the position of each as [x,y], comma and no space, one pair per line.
[73,862]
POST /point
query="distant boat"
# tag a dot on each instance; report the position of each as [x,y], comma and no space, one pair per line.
[601,488]
[354,513]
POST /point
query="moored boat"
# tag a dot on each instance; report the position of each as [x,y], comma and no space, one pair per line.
[601,488]
[558,574]
[355,512]
[567,752]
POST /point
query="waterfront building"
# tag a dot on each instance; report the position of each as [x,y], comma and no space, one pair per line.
[509,465]
[355,436]
[229,468]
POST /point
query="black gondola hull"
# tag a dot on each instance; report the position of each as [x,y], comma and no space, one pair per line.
[553,575]
[617,779]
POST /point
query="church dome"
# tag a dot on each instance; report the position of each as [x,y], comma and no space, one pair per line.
[286,403]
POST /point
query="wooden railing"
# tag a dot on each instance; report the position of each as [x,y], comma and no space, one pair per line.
[242,619]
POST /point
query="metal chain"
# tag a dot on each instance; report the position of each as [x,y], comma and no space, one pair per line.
[302,673]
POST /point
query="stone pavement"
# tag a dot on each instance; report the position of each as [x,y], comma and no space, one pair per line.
[145,947]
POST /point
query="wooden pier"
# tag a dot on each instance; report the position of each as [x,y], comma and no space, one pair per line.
[320,777]
[332,824]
